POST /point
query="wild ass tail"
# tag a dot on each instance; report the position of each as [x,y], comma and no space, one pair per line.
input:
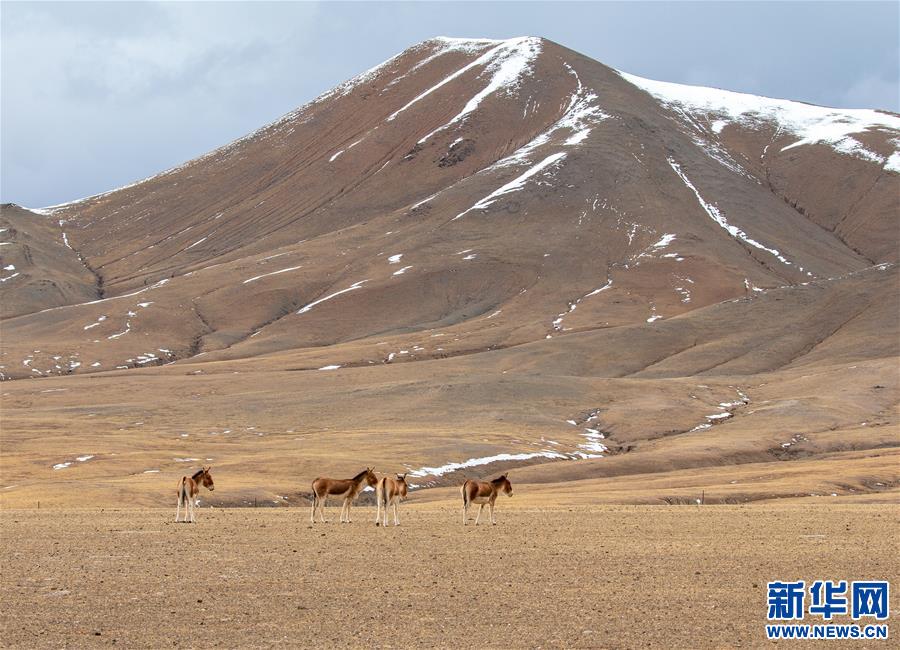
[381,491]
[182,492]
[464,493]
[314,504]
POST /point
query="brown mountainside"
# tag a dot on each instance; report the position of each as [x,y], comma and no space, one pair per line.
[490,239]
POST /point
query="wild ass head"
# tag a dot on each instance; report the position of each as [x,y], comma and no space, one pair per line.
[205,478]
[404,486]
[503,485]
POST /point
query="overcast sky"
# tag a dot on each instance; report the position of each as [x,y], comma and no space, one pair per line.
[98,95]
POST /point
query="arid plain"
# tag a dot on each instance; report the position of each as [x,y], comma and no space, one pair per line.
[544,576]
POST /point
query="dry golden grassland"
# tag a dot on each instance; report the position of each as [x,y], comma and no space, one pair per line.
[580,576]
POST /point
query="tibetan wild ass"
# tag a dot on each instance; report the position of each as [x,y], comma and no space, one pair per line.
[189,489]
[348,488]
[390,492]
[484,492]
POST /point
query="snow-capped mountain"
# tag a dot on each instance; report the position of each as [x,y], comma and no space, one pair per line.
[561,175]
[505,206]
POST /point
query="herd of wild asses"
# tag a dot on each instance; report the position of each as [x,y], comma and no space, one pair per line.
[388,494]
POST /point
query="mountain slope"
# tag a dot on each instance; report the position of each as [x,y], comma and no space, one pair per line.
[573,161]
[489,209]
[38,261]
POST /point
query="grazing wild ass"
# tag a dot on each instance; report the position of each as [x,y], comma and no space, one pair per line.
[189,489]
[390,492]
[348,488]
[484,492]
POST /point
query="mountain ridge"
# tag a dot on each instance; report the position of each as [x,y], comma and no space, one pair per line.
[509,235]
[369,73]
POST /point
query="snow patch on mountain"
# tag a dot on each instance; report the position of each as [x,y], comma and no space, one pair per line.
[515,184]
[557,322]
[506,64]
[442,45]
[506,61]
[810,124]
[352,287]
[719,217]
[580,116]
[265,275]
[487,460]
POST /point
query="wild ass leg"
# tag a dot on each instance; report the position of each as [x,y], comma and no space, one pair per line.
[396,513]
[478,516]
[377,503]
[178,507]
[493,521]
[317,504]
[323,502]
[465,512]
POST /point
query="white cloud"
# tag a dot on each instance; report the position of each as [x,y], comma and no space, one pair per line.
[84,88]
[99,95]
[872,92]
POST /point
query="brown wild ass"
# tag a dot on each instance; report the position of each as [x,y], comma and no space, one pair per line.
[483,492]
[189,489]
[390,492]
[348,488]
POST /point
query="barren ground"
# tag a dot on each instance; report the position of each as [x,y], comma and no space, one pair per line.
[599,576]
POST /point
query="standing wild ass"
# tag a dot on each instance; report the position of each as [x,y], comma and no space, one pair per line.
[484,492]
[189,489]
[348,488]
[390,492]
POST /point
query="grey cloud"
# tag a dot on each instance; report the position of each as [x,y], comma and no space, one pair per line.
[96,95]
